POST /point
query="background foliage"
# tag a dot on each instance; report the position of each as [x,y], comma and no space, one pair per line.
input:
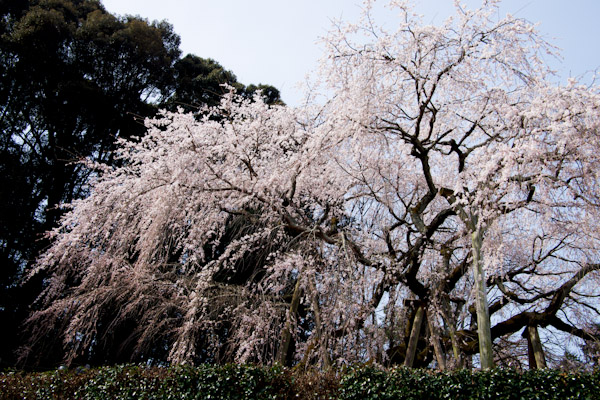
[73,79]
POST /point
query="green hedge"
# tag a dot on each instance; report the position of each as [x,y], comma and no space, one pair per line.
[498,384]
[251,382]
[133,382]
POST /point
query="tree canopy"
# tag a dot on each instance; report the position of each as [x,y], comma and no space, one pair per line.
[74,79]
[442,204]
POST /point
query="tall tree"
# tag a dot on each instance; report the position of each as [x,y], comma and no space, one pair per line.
[445,176]
[73,78]
[159,302]
[455,104]
[201,82]
[76,78]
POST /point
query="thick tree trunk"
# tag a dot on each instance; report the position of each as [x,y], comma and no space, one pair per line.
[286,334]
[536,351]
[411,350]
[484,331]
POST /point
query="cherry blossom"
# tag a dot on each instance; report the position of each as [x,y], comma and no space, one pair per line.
[447,178]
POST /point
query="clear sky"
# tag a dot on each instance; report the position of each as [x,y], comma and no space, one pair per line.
[275,41]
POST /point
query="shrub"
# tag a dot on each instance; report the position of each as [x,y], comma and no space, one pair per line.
[497,384]
[182,382]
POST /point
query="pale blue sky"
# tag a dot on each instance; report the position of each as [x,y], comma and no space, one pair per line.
[275,41]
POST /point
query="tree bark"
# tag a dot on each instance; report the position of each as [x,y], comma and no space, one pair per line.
[411,350]
[484,331]
[321,337]
[458,356]
[536,351]
[437,346]
[286,334]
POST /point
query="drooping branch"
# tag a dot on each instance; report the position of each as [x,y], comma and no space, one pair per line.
[548,315]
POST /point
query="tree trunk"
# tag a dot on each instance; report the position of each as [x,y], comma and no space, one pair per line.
[411,350]
[484,331]
[286,334]
[437,346]
[458,356]
[321,338]
[536,351]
